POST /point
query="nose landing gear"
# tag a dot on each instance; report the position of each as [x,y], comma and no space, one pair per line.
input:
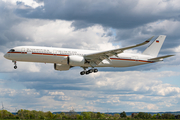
[88,71]
[15,65]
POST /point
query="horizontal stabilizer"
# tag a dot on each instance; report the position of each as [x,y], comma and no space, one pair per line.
[160,58]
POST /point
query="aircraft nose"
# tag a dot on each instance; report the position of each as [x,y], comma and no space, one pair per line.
[5,55]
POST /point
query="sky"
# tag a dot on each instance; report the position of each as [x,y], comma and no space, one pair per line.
[92,25]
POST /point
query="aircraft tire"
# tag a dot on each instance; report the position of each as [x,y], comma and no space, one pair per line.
[82,73]
[15,67]
[95,70]
[90,71]
[87,72]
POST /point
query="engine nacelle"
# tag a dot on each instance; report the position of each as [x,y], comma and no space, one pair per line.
[76,60]
[61,67]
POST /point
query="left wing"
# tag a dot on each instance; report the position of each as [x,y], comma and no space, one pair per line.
[95,58]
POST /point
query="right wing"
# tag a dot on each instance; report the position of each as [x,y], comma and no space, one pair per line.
[95,58]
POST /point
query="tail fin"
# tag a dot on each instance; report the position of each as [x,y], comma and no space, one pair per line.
[155,47]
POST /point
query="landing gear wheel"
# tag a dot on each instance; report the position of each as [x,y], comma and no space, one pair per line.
[87,72]
[82,73]
[90,71]
[15,67]
[95,70]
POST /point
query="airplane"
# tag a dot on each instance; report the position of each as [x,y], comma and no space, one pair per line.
[64,58]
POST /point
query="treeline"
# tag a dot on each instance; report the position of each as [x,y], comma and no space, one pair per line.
[143,115]
[27,114]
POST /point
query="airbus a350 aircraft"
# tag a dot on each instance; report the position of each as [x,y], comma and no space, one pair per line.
[64,59]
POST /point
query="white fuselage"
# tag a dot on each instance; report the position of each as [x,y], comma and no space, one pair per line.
[59,56]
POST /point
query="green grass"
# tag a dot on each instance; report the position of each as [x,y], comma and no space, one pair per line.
[86,119]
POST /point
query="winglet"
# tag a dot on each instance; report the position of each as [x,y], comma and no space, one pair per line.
[148,40]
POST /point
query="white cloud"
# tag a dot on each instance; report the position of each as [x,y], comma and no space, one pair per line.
[138,82]
[56,93]
[59,33]
[177,49]
[30,3]
[133,93]
[64,98]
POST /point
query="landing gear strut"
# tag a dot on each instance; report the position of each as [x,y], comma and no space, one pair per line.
[88,71]
[15,65]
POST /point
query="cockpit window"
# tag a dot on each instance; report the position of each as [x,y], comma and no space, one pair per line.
[11,50]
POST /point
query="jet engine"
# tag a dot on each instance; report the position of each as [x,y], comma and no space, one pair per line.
[61,67]
[76,60]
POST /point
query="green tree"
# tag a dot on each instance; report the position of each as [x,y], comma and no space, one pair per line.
[80,117]
[62,113]
[86,115]
[167,116]
[42,115]
[26,114]
[123,114]
[65,117]
[34,114]
[144,115]
[4,114]
[103,116]
[149,116]
[57,116]
[98,115]
[116,115]
[93,115]
[154,116]
[159,116]
[140,115]
[49,115]
[21,114]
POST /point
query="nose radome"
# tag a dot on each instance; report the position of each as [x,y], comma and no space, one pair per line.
[5,55]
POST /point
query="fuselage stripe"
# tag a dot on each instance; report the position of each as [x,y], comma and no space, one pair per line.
[40,53]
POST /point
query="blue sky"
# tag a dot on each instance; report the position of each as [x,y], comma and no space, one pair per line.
[94,25]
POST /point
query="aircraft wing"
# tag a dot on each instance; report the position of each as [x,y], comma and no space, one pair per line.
[160,58]
[95,58]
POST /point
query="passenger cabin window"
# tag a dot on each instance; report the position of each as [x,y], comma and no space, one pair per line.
[11,50]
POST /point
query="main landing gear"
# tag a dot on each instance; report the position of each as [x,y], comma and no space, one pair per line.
[15,65]
[88,71]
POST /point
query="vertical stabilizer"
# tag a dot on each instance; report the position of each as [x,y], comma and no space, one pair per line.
[155,47]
